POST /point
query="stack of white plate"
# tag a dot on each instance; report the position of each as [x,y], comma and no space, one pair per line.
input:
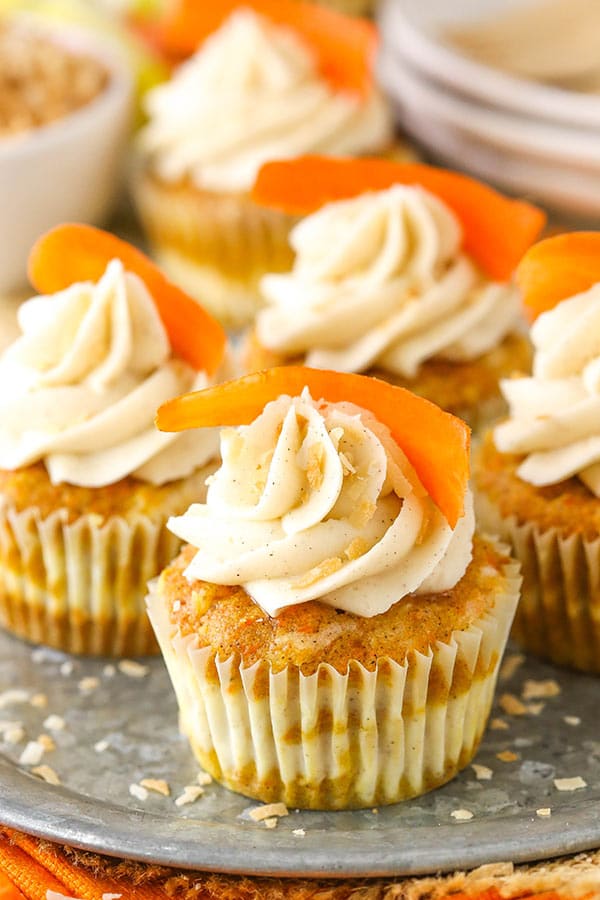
[531,139]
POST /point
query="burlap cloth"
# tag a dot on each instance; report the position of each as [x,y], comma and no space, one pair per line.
[35,866]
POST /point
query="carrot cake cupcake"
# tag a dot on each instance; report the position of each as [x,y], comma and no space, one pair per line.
[538,473]
[270,79]
[86,482]
[332,602]
[405,275]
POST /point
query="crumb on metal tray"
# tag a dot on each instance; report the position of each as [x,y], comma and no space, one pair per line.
[570,784]
[259,813]
[511,705]
[190,794]
[540,690]
[461,815]
[46,773]
[157,785]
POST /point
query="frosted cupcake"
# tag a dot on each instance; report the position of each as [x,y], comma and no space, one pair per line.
[86,482]
[538,473]
[271,80]
[333,601]
[405,275]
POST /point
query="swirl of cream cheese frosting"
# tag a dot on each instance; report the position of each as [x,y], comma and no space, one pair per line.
[80,387]
[252,93]
[555,414]
[316,501]
[380,280]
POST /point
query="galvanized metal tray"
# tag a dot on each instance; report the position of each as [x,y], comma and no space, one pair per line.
[120,729]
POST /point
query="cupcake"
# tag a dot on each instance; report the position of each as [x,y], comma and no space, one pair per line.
[333,629]
[401,271]
[538,473]
[269,79]
[86,482]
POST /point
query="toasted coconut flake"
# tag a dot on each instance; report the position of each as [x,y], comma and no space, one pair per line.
[13,697]
[133,669]
[259,813]
[39,701]
[540,690]
[157,785]
[499,725]
[511,664]
[47,742]
[139,792]
[461,815]
[511,705]
[570,784]
[317,573]
[357,548]
[507,756]
[14,735]
[54,723]
[32,754]
[190,794]
[46,773]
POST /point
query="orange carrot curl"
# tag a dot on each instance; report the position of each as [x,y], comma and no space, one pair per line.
[557,268]
[497,230]
[435,442]
[344,46]
[70,253]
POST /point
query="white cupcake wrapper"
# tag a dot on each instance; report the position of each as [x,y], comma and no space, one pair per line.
[559,614]
[333,741]
[79,586]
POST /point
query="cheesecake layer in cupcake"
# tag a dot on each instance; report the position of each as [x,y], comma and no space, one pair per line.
[86,482]
[328,607]
[538,479]
[382,283]
[253,92]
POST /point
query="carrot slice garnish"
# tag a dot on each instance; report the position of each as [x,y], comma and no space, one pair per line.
[435,442]
[344,46]
[557,268]
[497,229]
[70,253]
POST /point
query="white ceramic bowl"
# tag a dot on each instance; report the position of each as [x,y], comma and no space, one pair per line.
[69,170]
[533,138]
[412,28]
